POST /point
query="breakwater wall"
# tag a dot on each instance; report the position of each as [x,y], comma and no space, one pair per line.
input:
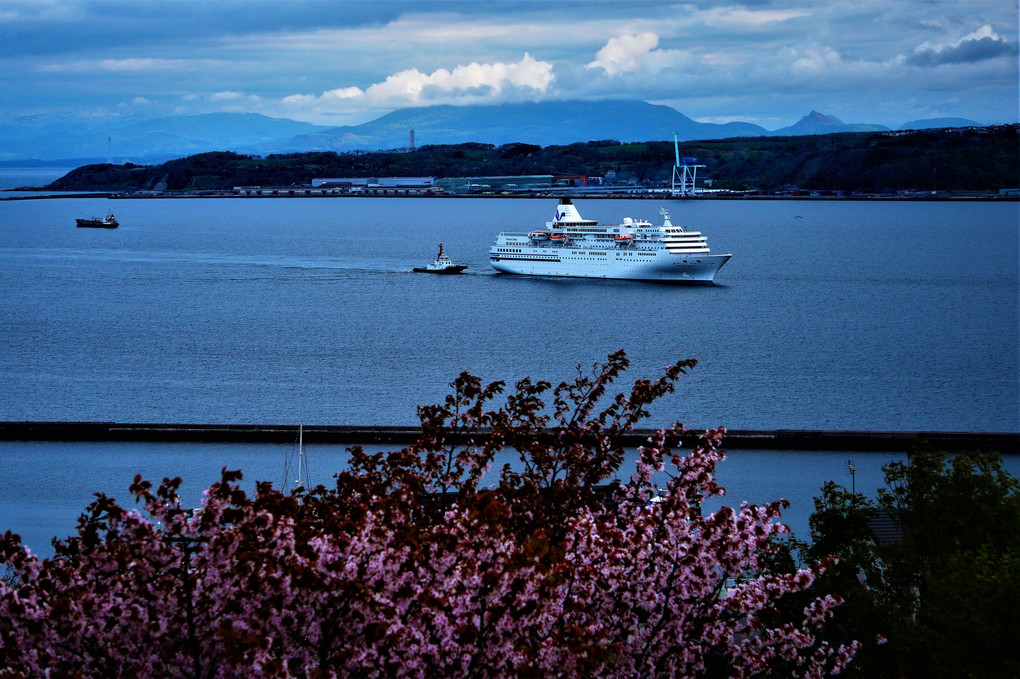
[735,439]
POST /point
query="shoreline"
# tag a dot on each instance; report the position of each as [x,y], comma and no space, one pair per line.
[304,193]
[1006,443]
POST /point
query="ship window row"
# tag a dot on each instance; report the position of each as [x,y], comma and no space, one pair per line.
[508,250]
[598,233]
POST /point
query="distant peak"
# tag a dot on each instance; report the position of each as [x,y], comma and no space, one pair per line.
[816,117]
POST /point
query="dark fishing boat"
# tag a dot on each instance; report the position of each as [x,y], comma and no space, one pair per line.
[108,222]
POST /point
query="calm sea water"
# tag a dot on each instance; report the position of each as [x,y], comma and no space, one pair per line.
[17,177]
[831,315]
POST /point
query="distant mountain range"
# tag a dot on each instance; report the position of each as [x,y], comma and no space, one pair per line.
[64,138]
[140,140]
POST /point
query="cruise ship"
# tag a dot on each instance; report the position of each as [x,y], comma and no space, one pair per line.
[635,250]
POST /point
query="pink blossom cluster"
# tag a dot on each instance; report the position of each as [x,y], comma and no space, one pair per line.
[406,568]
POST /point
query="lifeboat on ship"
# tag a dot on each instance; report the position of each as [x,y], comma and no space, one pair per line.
[539,235]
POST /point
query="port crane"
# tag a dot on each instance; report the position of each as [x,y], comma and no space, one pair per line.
[685,172]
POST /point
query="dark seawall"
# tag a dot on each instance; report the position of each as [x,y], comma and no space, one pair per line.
[779,439]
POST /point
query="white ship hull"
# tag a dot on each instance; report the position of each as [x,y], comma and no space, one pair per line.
[630,265]
[633,250]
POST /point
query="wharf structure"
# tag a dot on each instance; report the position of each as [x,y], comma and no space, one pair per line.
[779,439]
[342,186]
[392,186]
[374,182]
[515,183]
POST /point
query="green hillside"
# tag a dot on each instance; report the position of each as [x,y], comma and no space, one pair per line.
[986,158]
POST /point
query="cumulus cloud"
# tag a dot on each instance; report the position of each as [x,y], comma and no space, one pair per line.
[638,53]
[410,87]
[980,45]
[625,54]
[298,101]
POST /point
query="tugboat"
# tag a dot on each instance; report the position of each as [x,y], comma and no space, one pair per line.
[108,222]
[441,265]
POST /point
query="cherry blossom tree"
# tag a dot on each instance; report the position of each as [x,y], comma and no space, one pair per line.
[409,566]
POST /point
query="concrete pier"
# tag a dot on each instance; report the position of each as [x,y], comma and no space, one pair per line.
[735,439]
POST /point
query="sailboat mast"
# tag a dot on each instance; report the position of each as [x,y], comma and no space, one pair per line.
[302,479]
[301,456]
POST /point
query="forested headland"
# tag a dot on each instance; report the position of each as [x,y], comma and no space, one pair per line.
[957,159]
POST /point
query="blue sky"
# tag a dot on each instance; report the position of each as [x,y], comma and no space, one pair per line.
[332,62]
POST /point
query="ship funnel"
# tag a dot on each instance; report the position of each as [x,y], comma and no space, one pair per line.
[566,212]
